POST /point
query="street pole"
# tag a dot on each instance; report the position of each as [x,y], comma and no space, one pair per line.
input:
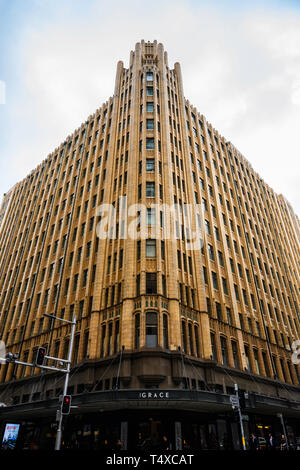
[236,388]
[284,430]
[66,384]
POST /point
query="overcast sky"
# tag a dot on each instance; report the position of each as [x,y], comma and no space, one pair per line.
[240,62]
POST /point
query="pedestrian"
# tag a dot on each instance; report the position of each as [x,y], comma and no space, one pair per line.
[119,446]
[283,444]
[165,444]
[271,442]
[254,445]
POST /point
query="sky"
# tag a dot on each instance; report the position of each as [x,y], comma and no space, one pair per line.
[240,62]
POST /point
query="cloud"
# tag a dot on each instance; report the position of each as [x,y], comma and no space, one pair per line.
[241,69]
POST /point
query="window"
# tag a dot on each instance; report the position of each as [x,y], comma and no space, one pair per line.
[137,331]
[165,332]
[266,365]
[102,349]
[235,354]
[204,274]
[211,252]
[221,260]
[149,143]
[224,283]
[213,347]
[236,290]
[191,344]
[116,342]
[150,189]
[224,350]
[150,164]
[255,353]
[149,107]
[178,259]
[109,346]
[229,317]
[149,90]
[149,77]
[214,280]
[85,276]
[138,285]
[219,311]
[121,259]
[151,248]
[196,333]
[247,358]
[150,124]
[150,216]
[207,227]
[151,330]
[151,283]
[183,336]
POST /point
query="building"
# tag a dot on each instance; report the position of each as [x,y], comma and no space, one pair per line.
[167,322]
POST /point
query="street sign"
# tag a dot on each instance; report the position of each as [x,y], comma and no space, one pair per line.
[234,400]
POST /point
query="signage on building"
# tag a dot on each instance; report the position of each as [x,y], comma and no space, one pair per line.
[154,395]
[10,436]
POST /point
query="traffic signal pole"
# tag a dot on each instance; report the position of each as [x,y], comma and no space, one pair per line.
[236,388]
[39,362]
[66,384]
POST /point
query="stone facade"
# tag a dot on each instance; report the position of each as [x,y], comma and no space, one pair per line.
[230,306]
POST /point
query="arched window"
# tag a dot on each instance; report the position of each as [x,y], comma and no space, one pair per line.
[265,361]
[151,330]
[183,335]
[165,332]
[109,347]
[196,331]
[191,343]
[76,349]
[137,331]
[255,353]
[117,330]
[235,354]
[213,347]
[102,340]
[247,358]
[224,351]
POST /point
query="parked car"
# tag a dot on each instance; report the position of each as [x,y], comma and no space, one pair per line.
[262,442]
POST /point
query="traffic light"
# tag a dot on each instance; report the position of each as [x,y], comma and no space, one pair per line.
[66,404]
[40,356]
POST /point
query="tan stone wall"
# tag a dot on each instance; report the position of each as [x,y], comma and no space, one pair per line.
[100,162]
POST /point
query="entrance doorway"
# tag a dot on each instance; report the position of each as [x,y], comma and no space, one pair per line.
[149,433]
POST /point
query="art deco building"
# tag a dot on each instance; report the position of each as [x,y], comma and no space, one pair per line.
[165,328]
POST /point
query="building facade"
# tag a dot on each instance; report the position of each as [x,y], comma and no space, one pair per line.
[180,263]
